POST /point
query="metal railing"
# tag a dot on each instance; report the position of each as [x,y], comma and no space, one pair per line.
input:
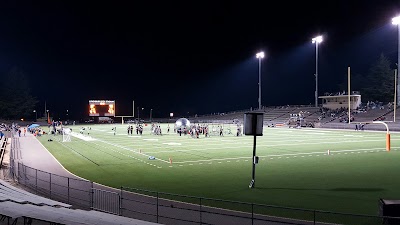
[168,208]
[106,201]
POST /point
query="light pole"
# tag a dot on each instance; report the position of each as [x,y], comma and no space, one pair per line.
[259,56]
[35,115]
[138,114]
[316,40]
[67,115]
[151,113]
[396,21]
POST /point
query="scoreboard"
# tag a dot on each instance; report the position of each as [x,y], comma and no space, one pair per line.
[101,108]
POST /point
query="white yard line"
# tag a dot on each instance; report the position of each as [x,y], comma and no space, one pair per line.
[82,137]
[130,150]
[285,155]
[268,145]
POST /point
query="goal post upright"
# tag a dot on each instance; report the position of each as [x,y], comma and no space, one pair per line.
[387,134]
[133,113]
[66,135]
[348,92]
[395,95]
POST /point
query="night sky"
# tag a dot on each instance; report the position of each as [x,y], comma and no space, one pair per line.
[189,57]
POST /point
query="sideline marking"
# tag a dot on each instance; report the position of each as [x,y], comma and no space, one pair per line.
[82,137]
[170,143]
[290,154]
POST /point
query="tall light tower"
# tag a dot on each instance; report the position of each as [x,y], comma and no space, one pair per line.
[396,21]
[316,41]
[151,114]
[35,115]
[259,56]
[138,114]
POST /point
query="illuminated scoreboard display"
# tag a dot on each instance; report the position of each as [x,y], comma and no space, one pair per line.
[101,108]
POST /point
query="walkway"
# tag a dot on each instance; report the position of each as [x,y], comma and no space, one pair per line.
[35,155]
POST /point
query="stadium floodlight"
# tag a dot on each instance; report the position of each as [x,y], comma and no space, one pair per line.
[396,21]
[35,114]
[259,56]
[138,113]
[316,41]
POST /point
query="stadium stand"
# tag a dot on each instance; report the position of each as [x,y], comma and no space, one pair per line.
[389,115]
[17,204]
[279,115]
[371,115]
[3,143]
[11,193]
[53,215]
[310,114]
[321,117]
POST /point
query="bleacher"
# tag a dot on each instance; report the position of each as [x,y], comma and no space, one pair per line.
[311,114]
[3,144]
[21,207]
[279,115]
[15,212]
[229,116]
[11,193]
[371,115]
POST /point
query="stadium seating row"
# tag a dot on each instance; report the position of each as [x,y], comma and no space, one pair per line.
[281,115]
[17,204]
[14,211]
[11,193]
[3,144]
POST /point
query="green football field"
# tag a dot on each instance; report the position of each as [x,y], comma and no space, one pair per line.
[294,168]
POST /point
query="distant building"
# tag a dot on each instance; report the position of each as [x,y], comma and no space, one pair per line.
[341,100]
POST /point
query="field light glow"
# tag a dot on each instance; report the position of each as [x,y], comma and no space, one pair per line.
[317,39]
[396,20]
[260,55]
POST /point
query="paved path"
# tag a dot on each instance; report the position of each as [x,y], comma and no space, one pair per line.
[35,155]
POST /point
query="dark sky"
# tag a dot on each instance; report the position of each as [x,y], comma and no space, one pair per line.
[189,56]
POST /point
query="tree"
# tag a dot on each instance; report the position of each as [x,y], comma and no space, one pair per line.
[379,82]
[15,99]
[377,85]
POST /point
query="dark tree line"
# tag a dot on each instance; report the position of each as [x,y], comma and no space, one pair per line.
[377,84]
[16,101]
